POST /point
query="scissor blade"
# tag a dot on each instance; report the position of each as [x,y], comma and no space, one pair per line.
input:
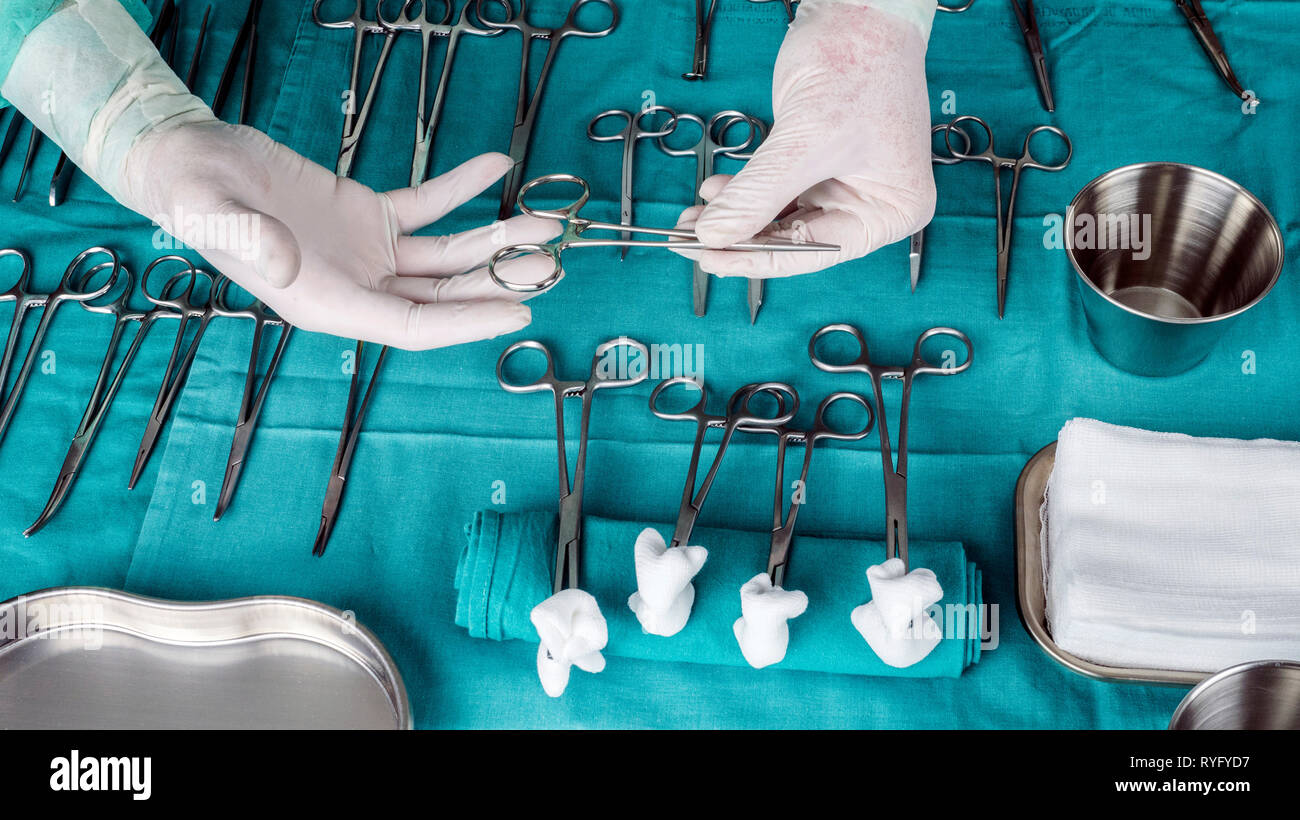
[755,298]
[33,145]
[62,178]
[1044,82]
[234,469]
[145,451]
[329,513]
[914,257]
[11,134]
[700,290]
[62,486]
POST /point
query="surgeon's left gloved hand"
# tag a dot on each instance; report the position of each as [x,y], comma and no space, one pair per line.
[327,254]
[848,159]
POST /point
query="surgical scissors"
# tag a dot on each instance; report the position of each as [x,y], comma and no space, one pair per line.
[193,312]
[353,417]
[917,248]
[778,557]
[422,23]
[738,417]
[71,289]
[250,406]
[354,119]
[1005,217]
[1028,23]
[706,151]
[101,397]
[569,546]
[575,226]
[528,106]
[630,134]
[895,476]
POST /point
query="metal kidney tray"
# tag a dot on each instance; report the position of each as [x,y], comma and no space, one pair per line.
[1030,493]
[87,658]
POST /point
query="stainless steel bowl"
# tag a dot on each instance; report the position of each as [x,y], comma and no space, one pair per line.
[1212,251]
[1255,695]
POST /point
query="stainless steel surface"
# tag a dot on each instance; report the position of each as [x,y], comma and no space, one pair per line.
[1214,252]
[86,658]
[1030,493]
[1255,695]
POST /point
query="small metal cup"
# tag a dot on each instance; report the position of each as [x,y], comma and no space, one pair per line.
[1209,252]
[1255,695]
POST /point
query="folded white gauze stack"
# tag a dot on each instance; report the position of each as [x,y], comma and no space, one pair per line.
[763,629]
[896,622]
[572,632]
[664,592]
[1171,552]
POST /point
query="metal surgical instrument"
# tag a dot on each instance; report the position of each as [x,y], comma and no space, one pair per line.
[1213,48]
[895,476]
[353,417]
[196,312]
[527,106]
[917,248]
[1005,215]
[1028,22]
[630,134]
[354,118]
[569,547]
[706,152]
[704,11]
[789,7]
[757,285]
[738,417]
[419,21]
[71,289]
[245,44]
[575,227]
[101,397]
[254,397]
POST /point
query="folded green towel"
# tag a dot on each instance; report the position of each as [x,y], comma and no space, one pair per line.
[505,571]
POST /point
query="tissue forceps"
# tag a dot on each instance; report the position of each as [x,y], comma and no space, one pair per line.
[1213,48]
[1028,22]
[71,289]
[738,416]
[422,23]
[917,247]
[354,119]
[527,106]
[711,145]
[104,392]
[630,134]
[193,312]
[895,473]
[575,227]
[778,557]
[250,406]
[1005,216]
[569,546]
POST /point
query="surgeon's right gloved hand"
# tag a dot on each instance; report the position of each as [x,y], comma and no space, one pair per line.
[848,159]
[327,254]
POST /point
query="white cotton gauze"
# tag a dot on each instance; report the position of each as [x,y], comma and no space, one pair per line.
[664,592]
[1166,551]
[572,632]
[763,630]
[90,80]
[894,622]
[919,13]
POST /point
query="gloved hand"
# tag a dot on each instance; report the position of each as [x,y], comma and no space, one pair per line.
[327,254]
[848,159]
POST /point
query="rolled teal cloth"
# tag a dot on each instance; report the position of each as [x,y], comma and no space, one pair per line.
[505,570]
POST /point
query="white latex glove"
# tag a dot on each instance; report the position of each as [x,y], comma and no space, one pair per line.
[327,254]
[848,159]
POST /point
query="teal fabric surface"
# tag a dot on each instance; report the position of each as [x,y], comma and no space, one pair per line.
[505,571]
[442,441]
[19,17]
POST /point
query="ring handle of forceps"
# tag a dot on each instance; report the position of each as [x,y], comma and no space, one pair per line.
[72,287]
[944,128]
[355,21]
[722,122]
[24,275]
[956,9]
[923,366]
[115,306]
[1027,159]
[757,133]
[699,411]
[182,302]
[545,382]
[568,214]
[406,22]
[823,430]
[256,309]
[597,382]
[632,130]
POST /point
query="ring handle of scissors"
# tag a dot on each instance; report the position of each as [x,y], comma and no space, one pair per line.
[721,123]
[758,133]
[518,252]
[544,383]
[823,429]
[1027,159]
[24,275]
[514,20]
[694,149]
[567,213]
[113,306]
[861,361]
[987,155]
[641,132]
[572,28]
[740,414]
[944,128]
[256,309]
[624,134]
[697,412]
[598,381]
[77,289]
[956,9]
[922,365]
[182,302]
[355,21]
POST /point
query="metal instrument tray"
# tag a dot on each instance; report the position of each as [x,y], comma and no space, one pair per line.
[88,658]
[1030,491]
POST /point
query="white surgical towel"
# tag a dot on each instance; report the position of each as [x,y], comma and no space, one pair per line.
[572,631]
[895,622]
[1171,552]
[664,592]
[762,630]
